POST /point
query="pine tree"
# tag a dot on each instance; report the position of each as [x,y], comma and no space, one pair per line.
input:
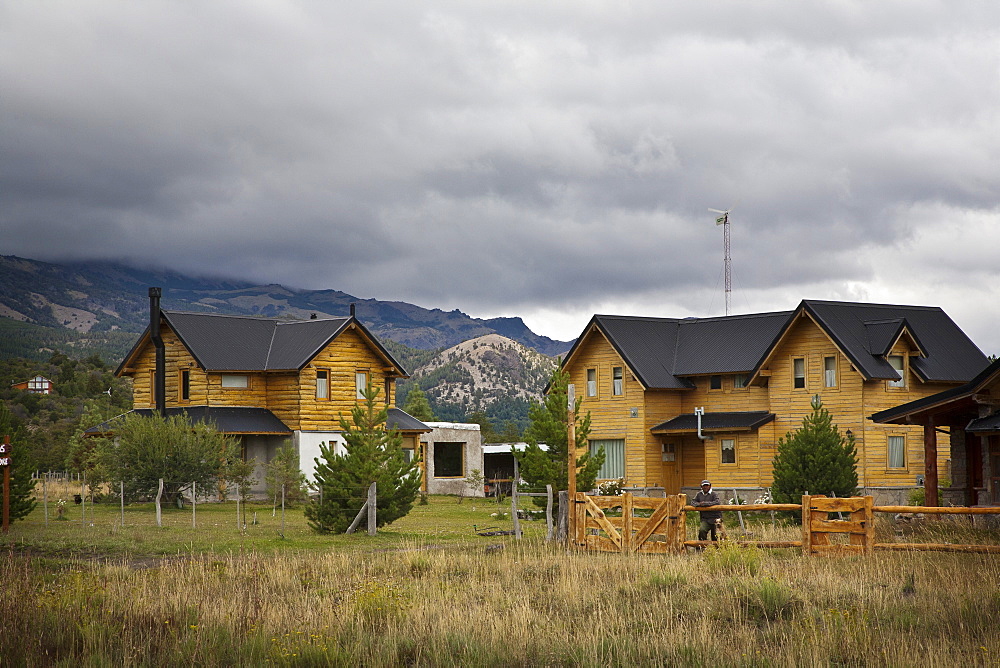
[22,486]
[283,470]
[549,425]
[815,458]
[418,406]
[372,455]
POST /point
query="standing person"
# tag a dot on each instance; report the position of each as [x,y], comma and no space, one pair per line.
[706,497]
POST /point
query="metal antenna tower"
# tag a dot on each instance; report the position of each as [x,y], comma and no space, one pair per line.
[724,221]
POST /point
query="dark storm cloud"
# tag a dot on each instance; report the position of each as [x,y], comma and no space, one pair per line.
[539,159]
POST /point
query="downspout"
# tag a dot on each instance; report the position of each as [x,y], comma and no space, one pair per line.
[698,413]
[159,388]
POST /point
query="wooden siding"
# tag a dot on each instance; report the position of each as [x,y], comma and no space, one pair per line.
[850,401]
[290,395]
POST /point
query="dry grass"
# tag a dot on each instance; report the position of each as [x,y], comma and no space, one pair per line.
[524,604]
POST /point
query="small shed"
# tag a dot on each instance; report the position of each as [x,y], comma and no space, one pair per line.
[452,452]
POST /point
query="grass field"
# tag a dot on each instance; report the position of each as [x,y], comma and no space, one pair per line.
[428,591]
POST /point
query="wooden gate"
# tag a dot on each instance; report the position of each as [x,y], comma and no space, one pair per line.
[858,526]
[628,524]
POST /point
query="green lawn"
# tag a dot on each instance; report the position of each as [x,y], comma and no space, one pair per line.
[101,533]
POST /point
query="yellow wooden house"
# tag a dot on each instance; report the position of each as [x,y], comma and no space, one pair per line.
[266,381]
[674,401]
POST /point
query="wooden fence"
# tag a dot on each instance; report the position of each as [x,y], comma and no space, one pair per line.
[664,529]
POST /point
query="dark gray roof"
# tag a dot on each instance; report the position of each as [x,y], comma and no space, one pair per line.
[400,420]
[734,421]
[661,351]
[664,352]
[988,423]
[227,419]
[860,330]
[240,343]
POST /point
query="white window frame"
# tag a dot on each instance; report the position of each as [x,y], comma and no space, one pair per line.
[617,381]
[360,384]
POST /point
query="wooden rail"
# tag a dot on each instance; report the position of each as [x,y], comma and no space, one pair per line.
[664,530]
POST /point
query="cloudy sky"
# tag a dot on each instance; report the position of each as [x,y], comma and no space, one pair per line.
[543,159]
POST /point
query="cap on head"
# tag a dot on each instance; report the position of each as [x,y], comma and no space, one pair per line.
[705,482]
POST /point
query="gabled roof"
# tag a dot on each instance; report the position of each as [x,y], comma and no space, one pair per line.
[664,352]
[227,419]
[240,343]
[866,332]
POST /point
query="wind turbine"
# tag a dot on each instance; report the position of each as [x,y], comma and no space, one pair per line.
[724,221]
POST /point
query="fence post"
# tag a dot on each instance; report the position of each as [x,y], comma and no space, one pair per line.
[562,519]
[194,503]
[45,497]
[282,510]
[513,501]
[159,493]
[628,511]
[121,498]
[676,522]
[83,500]
[239,525]
[371,509]
[549,529]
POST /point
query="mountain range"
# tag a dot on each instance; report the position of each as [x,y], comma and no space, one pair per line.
[93,297]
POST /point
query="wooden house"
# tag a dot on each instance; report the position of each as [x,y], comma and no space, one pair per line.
[266,381]
[963,424]
[37,385]
[674,401]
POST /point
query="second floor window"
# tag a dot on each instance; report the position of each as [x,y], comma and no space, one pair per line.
[729,451]
[830,371]
[899,366]
[322,384]
[739,381]
[617,388]
[715,382]
[185,385]
[360,383]
[799,373]
[591,382]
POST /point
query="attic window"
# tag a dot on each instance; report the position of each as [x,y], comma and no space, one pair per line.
[591,382]
[361,383]
[799,373]
[898,363]
[234,381]
[740,381]
[715,382]
[322,384]
[616,382]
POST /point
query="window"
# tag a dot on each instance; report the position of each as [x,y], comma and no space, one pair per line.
[897,452]
[799,373]
[830,371]
[591,382]
[409,449]
[322,384]
[360,383]
[899,366]
[449,460]
[185,385]
[669,452]
[233,381]
[617,386]
[715,382]
[740,381]
[614,458]
[728,450]
[152,388]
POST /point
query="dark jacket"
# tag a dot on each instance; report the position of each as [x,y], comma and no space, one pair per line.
[710,499]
